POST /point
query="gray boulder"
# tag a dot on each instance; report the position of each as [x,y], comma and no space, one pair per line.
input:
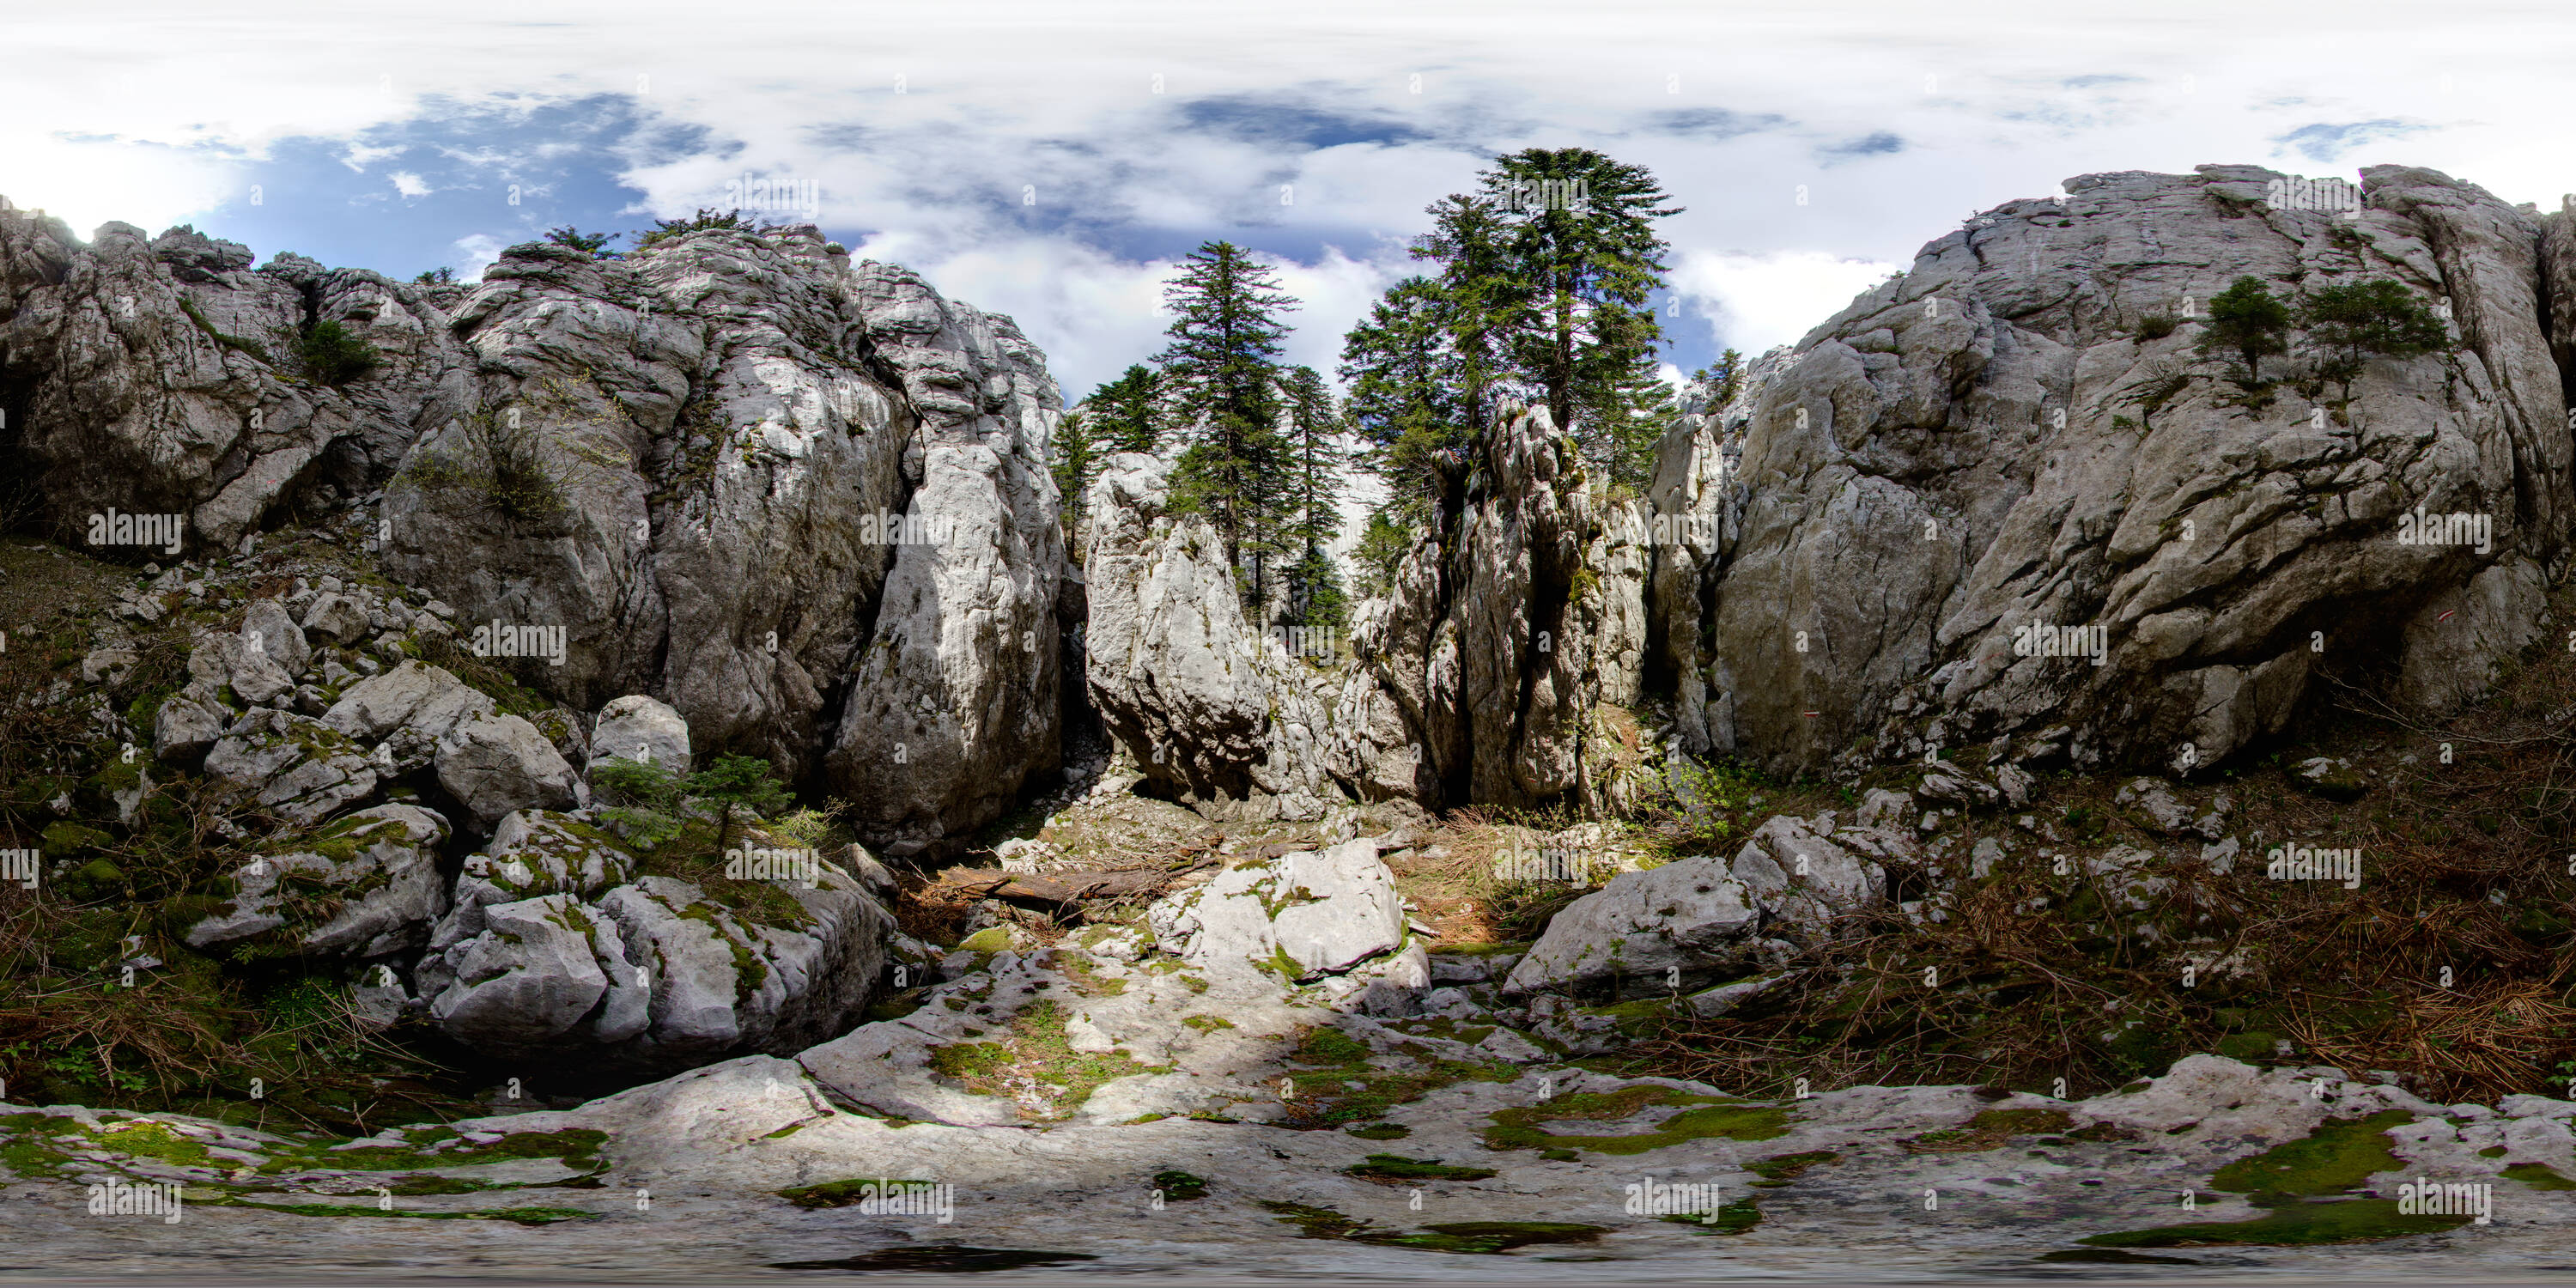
[232,663]
[189,722]
[494,765]
[532,853]
[1690,915]
[408,712]
[2002,496]
[364,886]
[1306,914]
[268,630]
[640,728]
[654,975]
[1808,874]
[533,976]
[341,618]
[293,766]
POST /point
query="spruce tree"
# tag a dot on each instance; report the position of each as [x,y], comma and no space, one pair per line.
[1315,596]
[1075,461]
[1221,376]
[1126,413]
[1585,259]
[1408,400]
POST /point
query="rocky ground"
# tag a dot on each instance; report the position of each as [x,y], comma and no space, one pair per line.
[1277,1070]
[380,855]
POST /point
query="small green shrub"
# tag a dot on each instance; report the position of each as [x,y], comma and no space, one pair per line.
[332,356]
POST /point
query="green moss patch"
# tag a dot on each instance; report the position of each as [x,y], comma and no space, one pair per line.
[1035,1065]
[1380,1131]
[2336,1157]
[1989,1130]
[1781,1169]
[833,1194]
[1734,1218]
[576,1146]
[1396,1169]
[1484,1238]
[1180,1185]
[2290,1225]
[1518,1128]
[2539,1176]
[1353,1090]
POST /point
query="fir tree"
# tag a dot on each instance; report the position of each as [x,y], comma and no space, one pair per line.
[1408,398]
[1383,545]
[1221,374]
[1075,461]
[1125,413]
[2348,322]
[1315,596]
[1584,260]
[1541,293]
[2246,320]
[1222,380]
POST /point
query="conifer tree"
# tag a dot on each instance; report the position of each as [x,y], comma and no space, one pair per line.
[1126,413]
[1221,376]
[1315,595]
[1075,462]
[1408,399]
[1541,290]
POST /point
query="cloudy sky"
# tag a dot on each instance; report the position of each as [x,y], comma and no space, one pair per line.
[1051,161]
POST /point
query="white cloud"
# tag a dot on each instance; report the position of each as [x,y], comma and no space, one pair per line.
[409,184]
[147,122]
[479,251]
[1752,302]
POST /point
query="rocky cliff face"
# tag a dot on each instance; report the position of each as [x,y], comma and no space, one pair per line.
[1994,499]
[1484,677]
[1509,632]
[803,501]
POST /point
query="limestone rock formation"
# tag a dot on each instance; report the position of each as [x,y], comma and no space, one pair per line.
[1484,677]
[2001,497]
[1202,702]
[803,502]
[1508,632]
[367,887]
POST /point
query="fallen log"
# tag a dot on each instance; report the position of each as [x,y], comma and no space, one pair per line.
[1054,888]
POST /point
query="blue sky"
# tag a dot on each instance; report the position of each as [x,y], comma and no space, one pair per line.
[1050,161]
